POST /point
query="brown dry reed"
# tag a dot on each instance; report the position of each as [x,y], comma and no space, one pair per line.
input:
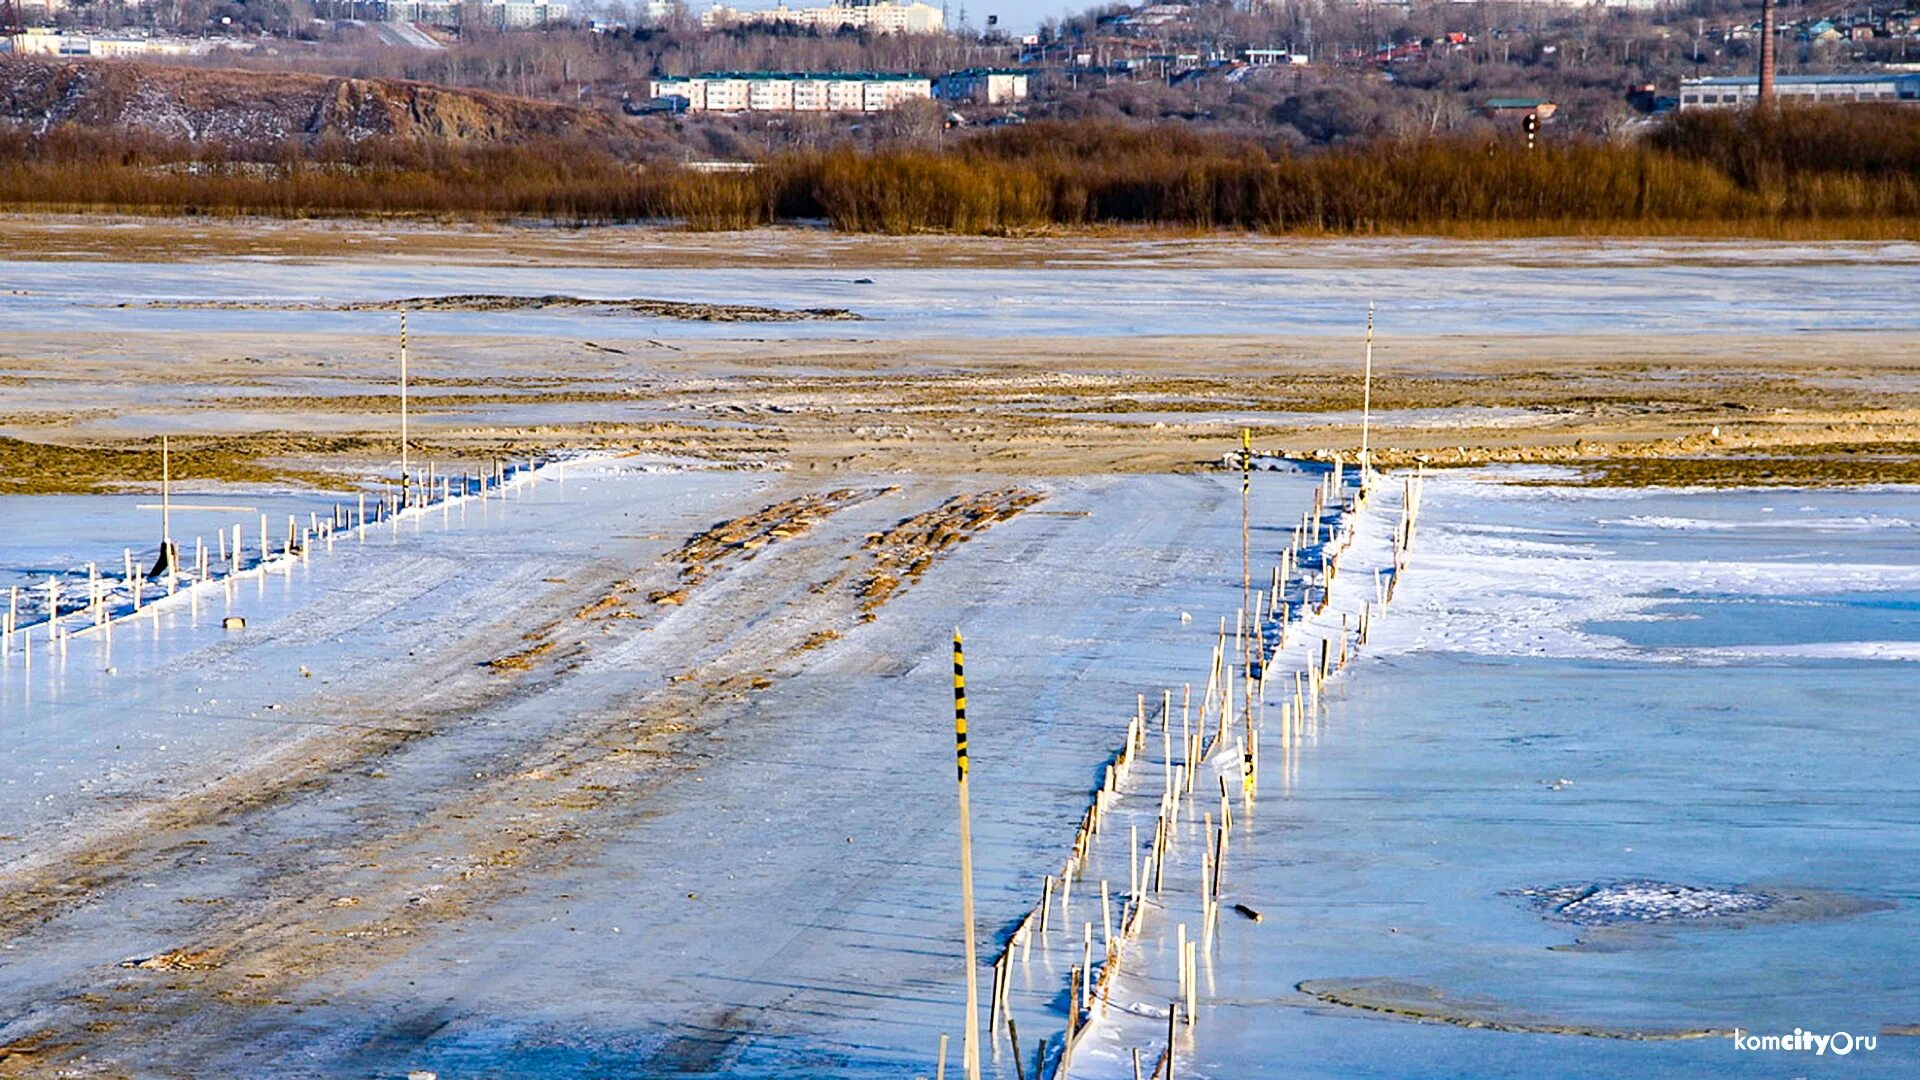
[1836,171]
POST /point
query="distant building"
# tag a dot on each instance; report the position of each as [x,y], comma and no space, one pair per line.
[44,9]
[1518,108]
[781,91]
[1727,92]
[524,14]
[982,86]
[1274,58]
[41,41]
[504,14]
[880,17]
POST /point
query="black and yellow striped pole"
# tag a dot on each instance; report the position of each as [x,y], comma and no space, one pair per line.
[404,463]
[971,1059]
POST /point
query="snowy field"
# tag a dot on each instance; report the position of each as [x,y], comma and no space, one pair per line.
[1669,702]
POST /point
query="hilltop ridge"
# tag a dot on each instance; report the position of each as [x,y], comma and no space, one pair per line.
[229,106]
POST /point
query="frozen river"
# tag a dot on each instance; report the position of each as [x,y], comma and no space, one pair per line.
[1439,289]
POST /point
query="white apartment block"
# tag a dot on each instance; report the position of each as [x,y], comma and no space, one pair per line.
[504,14]
[775,91]
[525,14]
[883,17]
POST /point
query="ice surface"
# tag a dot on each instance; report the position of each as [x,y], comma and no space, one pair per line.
[1637,292]
[780,900]
[1570,690]
[169,699]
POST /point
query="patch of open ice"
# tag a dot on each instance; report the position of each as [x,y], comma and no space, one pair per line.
[1639,901]
[1815,650]
[1866,522]
[1538,581]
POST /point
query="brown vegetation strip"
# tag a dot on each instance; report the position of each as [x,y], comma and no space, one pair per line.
[523,659]
[35,468]
[1735,458]
[900,555]
[487,302]
[784,520]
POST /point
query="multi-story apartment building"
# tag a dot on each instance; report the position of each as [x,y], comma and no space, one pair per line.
[882,17]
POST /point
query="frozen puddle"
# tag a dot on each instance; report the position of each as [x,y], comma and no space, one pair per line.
[1419,1003]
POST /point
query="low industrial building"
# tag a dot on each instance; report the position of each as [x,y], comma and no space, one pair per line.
[792,91]
[982,86]
[1274,58]
[43,41]
[1519,108]
[1729,92]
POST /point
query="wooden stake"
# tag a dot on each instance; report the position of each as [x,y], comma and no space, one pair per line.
[1193,981]
[1106,914]
[1086,968]
[1180,961]
[1173,1024]
[1133,862]
[1074,975]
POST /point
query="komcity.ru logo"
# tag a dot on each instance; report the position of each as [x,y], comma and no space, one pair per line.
[1840,1044]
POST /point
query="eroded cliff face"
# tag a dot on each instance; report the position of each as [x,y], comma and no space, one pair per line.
[246,106]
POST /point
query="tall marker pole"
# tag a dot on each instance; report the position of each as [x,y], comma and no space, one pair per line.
[1366,402]
[971,1059]
[166,497]
[403,409]
[1246,560]
[168,563]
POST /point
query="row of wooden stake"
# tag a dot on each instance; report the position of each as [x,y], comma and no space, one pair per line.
[106,601]
[1300,587]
